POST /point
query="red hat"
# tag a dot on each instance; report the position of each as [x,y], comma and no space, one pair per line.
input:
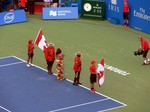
[93,61]
[29,40]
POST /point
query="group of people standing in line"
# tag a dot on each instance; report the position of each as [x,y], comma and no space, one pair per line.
[51,55]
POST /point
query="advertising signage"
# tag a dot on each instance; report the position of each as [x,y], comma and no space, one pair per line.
[93,9]
[12,17]
[60,13]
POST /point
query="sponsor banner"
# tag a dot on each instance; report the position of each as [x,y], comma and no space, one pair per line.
[114,9]
[12,17]
[139,15]
[60,13]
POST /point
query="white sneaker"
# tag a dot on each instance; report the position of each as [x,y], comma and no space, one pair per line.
[28,65]
[31,64]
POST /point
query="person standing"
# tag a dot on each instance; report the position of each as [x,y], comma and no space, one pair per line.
[145,47]
[49,56]
[15,3]
[1,9]
[31,6]
[77,68]
[93,76]
[30,53]
[59,64]
[47,3]
[22,4]
[55,3]
[126,14]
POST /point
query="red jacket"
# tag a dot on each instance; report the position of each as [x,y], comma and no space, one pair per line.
[92,69]
[30,48]
[144,44]
[23,3]
[77,64]
[49,53]
[125,8]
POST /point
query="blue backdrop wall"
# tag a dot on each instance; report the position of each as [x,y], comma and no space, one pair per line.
[139,16]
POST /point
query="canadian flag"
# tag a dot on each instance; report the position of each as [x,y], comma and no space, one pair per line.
[40,40]
[100,71]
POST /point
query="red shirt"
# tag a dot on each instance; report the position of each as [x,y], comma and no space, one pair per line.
[144,44]
[23,3]
[77,64]
[92,69]
[49,53]
[125,8]
[30,48]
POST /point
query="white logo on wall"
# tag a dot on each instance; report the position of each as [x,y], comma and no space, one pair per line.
[114,2]
[113,6]
[59,12]
[52,13]
[141,14]
[9,17]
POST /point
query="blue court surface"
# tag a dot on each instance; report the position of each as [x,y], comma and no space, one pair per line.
[31,89]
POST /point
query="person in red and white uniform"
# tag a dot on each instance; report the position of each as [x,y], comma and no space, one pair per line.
[30,53]
[77,68]
[145,47]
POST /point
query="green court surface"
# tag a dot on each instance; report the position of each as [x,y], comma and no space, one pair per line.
[95,40]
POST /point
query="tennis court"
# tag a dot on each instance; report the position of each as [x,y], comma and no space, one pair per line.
[31,89]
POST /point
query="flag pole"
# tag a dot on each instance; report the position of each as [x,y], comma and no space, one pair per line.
[37,34]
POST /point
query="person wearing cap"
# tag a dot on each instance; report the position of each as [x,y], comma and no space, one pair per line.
[77,68]
[145,47]
[59,64]
[49,56]
[30,53]
[93,76]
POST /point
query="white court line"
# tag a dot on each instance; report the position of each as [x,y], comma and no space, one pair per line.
[110,109]
[5,109]
[81,86]
[78,105]
[6,57]
[10,64]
